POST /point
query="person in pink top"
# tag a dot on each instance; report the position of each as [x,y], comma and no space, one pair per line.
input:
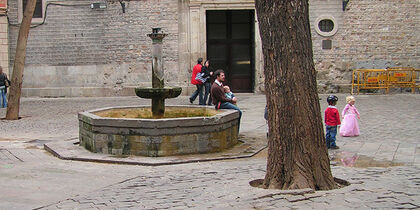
[349,125]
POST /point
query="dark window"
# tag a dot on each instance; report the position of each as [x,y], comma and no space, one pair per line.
[38,8]
[326,25]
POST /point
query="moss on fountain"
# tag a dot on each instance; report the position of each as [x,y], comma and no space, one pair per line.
[146,113]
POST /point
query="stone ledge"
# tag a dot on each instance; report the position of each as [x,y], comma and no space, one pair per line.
[70,150]
[56,92]
[222,116]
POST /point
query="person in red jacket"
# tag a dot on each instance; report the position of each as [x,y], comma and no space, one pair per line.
[198,84]
[332,121]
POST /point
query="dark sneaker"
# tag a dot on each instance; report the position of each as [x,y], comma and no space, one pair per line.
[335,147]
[191,101]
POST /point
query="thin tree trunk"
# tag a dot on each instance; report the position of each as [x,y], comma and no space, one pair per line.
[297,153]
[18,66]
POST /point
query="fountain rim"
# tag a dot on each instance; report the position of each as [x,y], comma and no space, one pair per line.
[223,115]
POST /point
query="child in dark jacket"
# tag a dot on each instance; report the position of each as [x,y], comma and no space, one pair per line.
[332,120]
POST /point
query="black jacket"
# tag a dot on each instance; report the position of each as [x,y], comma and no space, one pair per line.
[3,79]
[206,72]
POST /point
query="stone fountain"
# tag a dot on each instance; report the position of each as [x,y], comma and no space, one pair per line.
[145,131]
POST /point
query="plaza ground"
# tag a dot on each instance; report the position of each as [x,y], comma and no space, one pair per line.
[386,173]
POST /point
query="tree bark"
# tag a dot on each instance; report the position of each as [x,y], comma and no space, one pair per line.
[297,152]
[12,112]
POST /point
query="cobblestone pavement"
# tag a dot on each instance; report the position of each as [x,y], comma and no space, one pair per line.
[31,178]
[224,185]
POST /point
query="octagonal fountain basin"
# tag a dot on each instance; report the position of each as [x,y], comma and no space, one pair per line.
[133,131]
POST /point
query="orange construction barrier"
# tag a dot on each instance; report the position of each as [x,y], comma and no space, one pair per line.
[364,79]
[395,77]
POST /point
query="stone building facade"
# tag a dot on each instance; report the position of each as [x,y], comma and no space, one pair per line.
[76,50]
[4,32]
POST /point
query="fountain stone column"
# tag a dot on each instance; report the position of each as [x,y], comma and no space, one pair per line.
[158,93]
[157,64]
[158,103]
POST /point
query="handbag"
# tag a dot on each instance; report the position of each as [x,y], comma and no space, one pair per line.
[200,78]
[7,83]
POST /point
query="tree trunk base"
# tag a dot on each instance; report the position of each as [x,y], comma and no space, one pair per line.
[4,118]
[340,183]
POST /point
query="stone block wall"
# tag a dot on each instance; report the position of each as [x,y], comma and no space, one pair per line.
[371,34]
[92,49]
[80,51]
[158,146]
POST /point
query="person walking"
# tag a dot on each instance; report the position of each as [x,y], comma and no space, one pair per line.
[4,84]
[197,83]
[350,126]
[218,95]
[207,84]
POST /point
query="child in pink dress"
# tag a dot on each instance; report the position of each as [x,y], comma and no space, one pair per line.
[349,125]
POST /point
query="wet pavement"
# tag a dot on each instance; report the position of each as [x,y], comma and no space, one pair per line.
[382,164]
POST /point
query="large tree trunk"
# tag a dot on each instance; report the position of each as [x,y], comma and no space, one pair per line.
[16,86]
[297,152]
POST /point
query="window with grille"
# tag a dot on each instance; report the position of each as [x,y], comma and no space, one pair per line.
[326,25]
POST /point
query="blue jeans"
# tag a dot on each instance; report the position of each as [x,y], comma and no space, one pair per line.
[198,92]
[207,86]
[3,99]
[227,105]
[330,137]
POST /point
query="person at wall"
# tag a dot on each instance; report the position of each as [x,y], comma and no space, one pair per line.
[198,84]
[4,84]
[207,84]
[332,121]
[218,95]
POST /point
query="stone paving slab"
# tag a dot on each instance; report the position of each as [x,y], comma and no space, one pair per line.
[369,149]
[8,157]
[405,153]
[354,146]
